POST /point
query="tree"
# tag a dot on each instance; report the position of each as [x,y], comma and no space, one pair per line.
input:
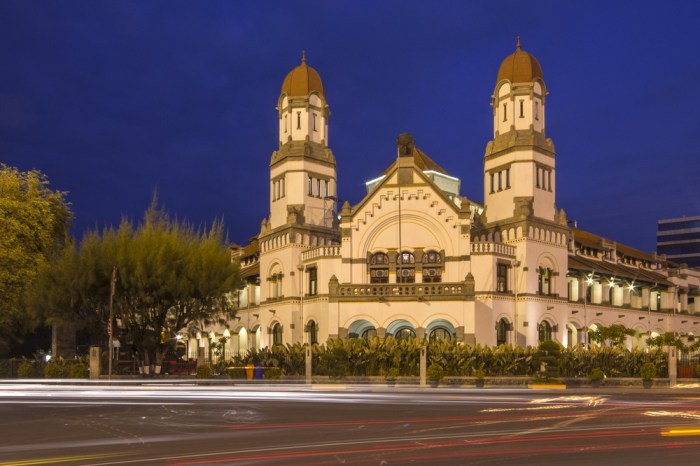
[615,335]
[34,224]
[170,276]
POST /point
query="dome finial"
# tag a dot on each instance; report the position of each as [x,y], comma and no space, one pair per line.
[517,47]
[303,56]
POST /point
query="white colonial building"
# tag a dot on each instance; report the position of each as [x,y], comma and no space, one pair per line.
[416,257]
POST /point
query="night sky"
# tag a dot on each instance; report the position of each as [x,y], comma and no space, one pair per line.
[114,100]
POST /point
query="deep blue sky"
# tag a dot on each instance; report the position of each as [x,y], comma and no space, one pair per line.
[114,99]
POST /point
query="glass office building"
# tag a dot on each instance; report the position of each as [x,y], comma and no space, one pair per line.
[679,239]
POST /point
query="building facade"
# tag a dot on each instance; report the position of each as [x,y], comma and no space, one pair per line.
[679,240]
[415,257]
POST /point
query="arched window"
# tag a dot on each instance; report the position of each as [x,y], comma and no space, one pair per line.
[276,334]
[312,328]
[369,333]
[404,332]
[379,268]
[545,331]
[440,333]
[432,267]
[405,268]
[502,327]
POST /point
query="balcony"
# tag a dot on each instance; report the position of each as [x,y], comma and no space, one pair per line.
[402,291]
[493,248]
[323,251]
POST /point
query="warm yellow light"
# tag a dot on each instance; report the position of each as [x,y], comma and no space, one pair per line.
[679,431]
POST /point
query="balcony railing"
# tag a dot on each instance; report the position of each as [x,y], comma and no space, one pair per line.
[493,248]
[323,251]
[402,291]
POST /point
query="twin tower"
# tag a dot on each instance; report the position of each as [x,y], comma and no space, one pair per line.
[519,167]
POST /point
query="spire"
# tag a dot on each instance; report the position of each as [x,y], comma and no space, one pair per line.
[303,56]
[517,47]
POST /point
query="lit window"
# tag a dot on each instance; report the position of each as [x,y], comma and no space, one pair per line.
[432,267]
[379,268]
[313,281]
[545,331]
[502,278]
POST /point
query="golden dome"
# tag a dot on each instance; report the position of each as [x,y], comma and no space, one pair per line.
[519,67]
[302,80]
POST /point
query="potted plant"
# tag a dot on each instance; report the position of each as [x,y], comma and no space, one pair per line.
[480,377]
[648,372]
[435,374]
[596,377]
[391,375]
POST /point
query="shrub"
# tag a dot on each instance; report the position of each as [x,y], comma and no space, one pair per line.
[435,372]
[272,373]
[78,370]
[54,370]
[648,371]
[236,372]
[596,375]
[204,372]
[26,370]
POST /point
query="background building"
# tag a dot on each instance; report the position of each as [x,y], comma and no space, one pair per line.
[679,240]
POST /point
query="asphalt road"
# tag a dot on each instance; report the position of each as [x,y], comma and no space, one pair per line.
[188,425]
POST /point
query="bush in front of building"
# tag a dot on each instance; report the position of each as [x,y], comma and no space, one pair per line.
[78,370]
[55,370]
[26,370]
[204,372]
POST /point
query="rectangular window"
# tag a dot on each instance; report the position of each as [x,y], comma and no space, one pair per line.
[537,111]
[311,186]
[549,180]
[318,188]
[285,123]
[325,188]
[505,115]
[491,176]
[298,120]
[538,177]
[521,108]
[314,121]
[281,187]
[500,185]
[507,178]
[502,278]
[313,282]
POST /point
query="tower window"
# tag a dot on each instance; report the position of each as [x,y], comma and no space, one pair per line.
[298,120]
[491,177]
[285,123]
[549,180]
[318,188]
[313,281]
[502,278]
[538,177]
[507,178]
[314,121]
[281,187]
[522,104]
[505,114]
[326,188]
[311,186]
[500,178]
[537,111]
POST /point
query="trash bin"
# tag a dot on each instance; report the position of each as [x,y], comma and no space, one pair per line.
[249,371]
[258,372]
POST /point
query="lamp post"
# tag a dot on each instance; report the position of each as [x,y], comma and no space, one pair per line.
[587,284]
[516,264]
[113,283]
